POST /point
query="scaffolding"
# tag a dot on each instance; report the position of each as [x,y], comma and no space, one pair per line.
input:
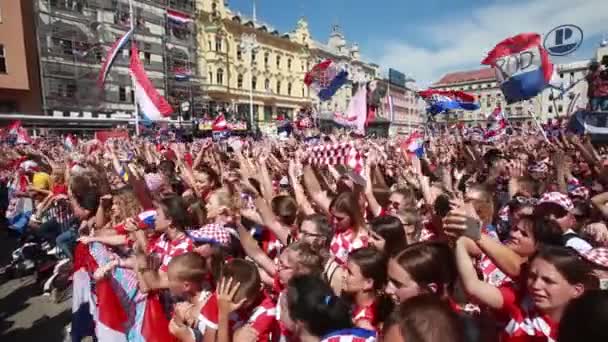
[75,35]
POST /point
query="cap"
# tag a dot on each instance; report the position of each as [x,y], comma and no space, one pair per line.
[597,256]
[556,198]
[214,234]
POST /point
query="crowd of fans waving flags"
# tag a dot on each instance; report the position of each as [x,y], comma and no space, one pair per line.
[447,234]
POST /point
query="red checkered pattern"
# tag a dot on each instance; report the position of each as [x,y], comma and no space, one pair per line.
[538,168]
[526,323]
[345,242]
[580,192]
[213,233]
[557,198]
[598,256]
[167,249]
[337,154]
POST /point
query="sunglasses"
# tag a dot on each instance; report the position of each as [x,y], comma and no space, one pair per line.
[521,200]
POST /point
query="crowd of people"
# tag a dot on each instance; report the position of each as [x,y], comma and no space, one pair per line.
[259,240]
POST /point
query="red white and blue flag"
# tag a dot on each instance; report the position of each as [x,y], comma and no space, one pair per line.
[326,78]
[111,57]
[70,142]
[441,101]
[498,125]
[414,144]
[182,74]
[178,17]
[522,66]
[152,105]
[146,219]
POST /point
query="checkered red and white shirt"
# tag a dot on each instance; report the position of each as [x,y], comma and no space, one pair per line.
[525,323]
[166,249]
[262,317]
[345,242]
[491,273]
[365,313]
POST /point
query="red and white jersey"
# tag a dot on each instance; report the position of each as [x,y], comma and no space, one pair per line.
[262,317]
[525,323]
[350,335]
[365,313]
[491,273]
[166,249]
[271,245]
[345,242]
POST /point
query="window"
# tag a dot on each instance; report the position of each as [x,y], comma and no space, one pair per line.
[253,55]
[219,77]
[239,81]
[289,64]
[209,45]
[239,53]
[2,60]
[218,44]
[303,91]
[550,109]
[267,84]
[70,90]
[266,58]
[289,89]
[210,80]
[132,96]
[278,87]
[254,83]
[146,58]
[122,94]
[278,61]
[560,108]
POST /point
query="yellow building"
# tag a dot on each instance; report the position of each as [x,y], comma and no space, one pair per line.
[279,61]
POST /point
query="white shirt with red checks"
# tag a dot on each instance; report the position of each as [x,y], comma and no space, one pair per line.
[262,317]
[525,324]
[167,249]
[345,242]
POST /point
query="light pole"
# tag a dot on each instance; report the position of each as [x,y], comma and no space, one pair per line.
[249,44]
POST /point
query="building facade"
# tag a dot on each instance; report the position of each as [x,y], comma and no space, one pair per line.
[19,76]
[75,35]
[408,110]
[338,50]
[269,72]
[483,84]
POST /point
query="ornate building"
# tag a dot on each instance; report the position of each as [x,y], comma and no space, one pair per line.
[74,36]
[245,61]
[337,49]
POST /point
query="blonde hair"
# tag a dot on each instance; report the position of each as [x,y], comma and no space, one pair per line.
[127,204]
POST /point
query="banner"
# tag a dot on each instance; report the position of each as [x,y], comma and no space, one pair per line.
[113,134]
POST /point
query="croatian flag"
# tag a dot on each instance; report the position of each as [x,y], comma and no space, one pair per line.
[414,144]
[152,105]
[219,124]
[441,101]
[146,219]
[522,66]
[70,142]
[111,57]
[498,125]
[326,78]
[182,74]
[178,17]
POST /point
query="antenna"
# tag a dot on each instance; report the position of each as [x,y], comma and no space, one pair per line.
[254,14]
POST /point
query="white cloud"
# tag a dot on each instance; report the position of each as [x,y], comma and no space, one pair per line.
[455,43]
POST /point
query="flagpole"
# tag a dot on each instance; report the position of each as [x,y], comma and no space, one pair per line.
[136,109]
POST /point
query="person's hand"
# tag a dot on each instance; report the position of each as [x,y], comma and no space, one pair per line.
[462,220]
[86,239]
[182,313]
[226,292]
[179,330]
[130,225]
[246,333]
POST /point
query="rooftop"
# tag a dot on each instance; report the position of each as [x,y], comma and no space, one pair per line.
[467,76]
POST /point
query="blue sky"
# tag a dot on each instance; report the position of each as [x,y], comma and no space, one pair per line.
[428,38]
